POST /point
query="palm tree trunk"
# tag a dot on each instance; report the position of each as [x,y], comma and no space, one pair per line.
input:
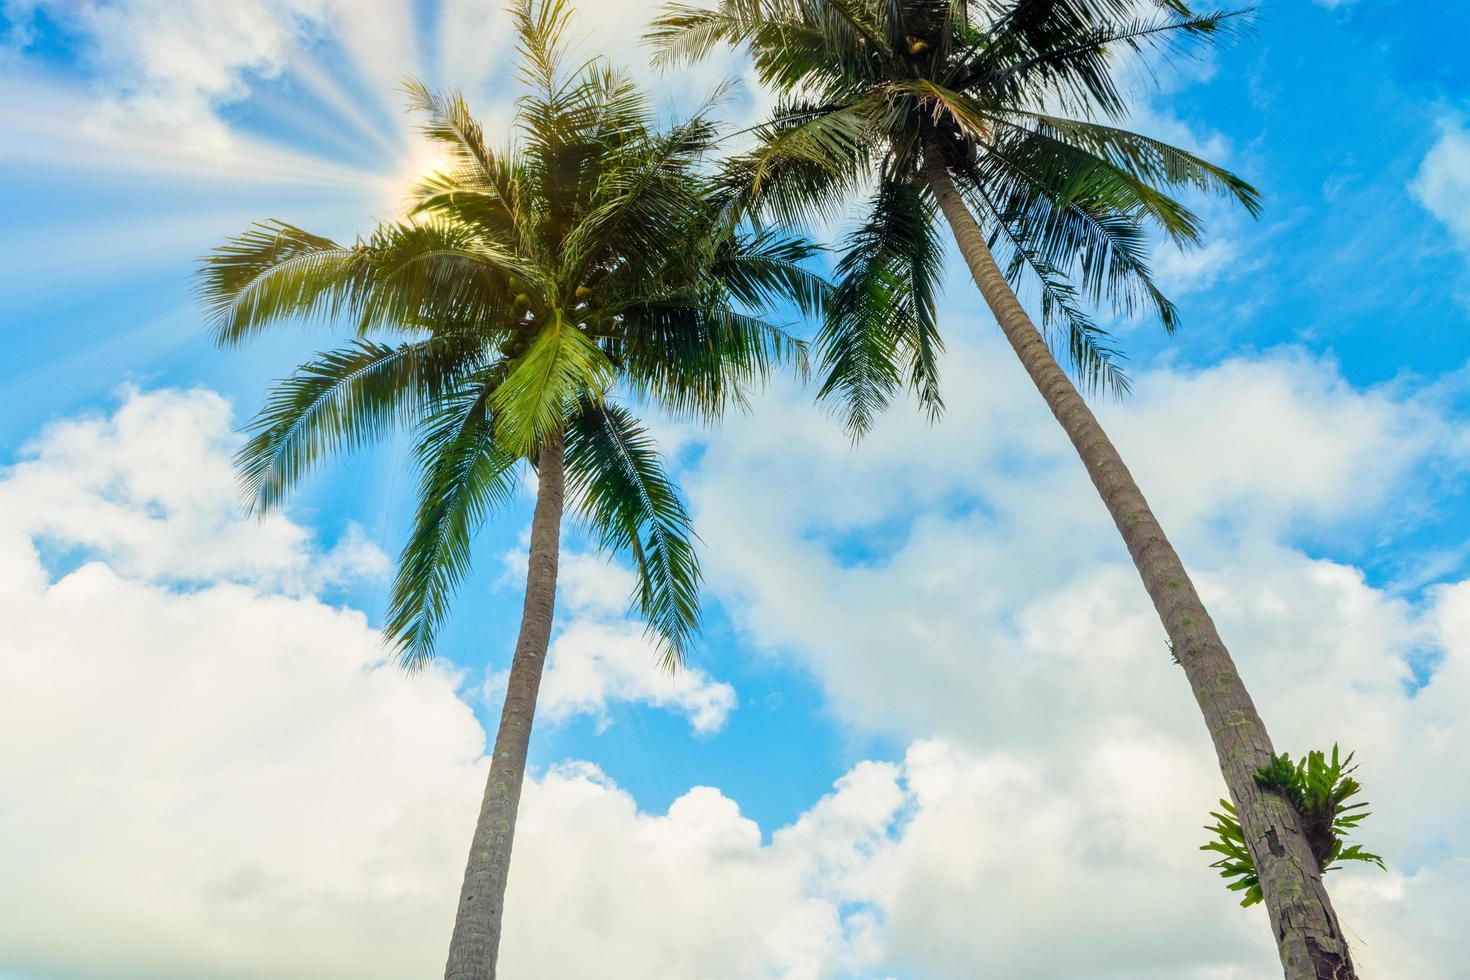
[1308,937]
[476,940]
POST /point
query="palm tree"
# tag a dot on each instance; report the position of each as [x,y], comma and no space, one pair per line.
[988,112]
[522,293]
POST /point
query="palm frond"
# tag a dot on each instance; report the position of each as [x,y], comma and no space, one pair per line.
[275,271]
[697,359]
[880,325]
[481,188]
[561,366]
[792,44]
[799,170]
[1150,160]
[443,271]
[340,401]
[1078,223]
[1070,332]
[632,506]
[764,267]
[646,198]
[540,32]
[1068,53]
[465,474]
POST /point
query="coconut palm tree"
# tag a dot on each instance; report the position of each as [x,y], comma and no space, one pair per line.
[500,321]
[1001,116]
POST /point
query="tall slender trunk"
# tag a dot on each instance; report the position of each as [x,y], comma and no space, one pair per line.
[1308,937]
[476,940]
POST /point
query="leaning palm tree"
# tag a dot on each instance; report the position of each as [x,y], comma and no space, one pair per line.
[995,114]
[525,291]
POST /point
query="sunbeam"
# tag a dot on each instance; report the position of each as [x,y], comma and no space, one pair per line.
[365,123]
[382,43]
[56,128]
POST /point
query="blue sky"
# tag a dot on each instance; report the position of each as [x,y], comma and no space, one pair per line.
[898,635]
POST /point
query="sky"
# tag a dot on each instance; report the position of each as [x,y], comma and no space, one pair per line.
[932,729]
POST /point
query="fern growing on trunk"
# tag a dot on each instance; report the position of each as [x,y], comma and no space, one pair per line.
[1318,790]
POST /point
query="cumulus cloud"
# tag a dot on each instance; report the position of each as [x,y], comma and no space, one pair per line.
[1442,184]
[173,65]
[232,755]
[142,489]
[954,862]
[600,655]
[963,582]
[693,892]
[209,771]
[901,570]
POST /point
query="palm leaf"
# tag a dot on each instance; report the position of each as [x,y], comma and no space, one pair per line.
[632,506]
[561,366]
[465,474]
[880,324]
[340,401]
[275,271]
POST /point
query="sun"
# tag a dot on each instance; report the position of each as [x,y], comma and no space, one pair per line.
[421,159]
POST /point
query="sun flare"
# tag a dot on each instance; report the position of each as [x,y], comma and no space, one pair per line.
[420,161]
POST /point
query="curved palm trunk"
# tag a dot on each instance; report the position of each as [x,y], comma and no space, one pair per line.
[1307,934]
[476,940]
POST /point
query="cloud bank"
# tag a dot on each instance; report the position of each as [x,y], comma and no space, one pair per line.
[212,773]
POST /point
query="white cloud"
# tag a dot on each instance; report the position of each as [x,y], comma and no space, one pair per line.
[153,91]
[159,87]
[963,581]
[600,655]
[692,893]
[901,570]
[144,487]
[235,758]
[224,763]
[209,771]
[1180,272]
[170,65]
[1442,184]
[954,863]
[594,663]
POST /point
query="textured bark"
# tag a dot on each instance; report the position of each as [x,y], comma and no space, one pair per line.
[476,940]
[1307,933]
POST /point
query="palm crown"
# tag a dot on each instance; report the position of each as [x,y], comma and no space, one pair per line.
[1009,98]
[523,291]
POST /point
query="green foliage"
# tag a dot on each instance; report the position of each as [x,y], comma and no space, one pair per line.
[1318,789]
[882,313]
[464,475]
[633,507]
[1237,863]
[532,402]
[528,288]
[872,92]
